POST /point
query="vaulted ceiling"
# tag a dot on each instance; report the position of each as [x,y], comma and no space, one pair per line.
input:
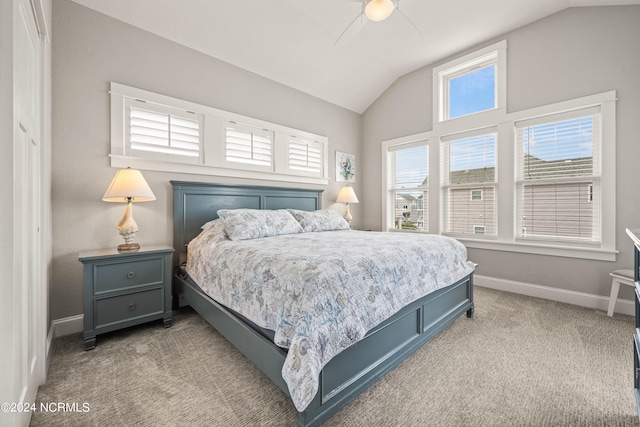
[298,42]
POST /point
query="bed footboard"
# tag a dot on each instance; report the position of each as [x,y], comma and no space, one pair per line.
[358,367]
[385,347]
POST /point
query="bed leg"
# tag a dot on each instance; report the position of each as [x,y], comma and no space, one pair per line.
[471,310]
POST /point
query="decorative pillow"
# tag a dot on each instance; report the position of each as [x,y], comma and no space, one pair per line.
[215,230]
[322,220]
[212,233]
[243,224]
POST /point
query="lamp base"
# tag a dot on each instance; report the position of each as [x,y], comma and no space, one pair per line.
[129,247]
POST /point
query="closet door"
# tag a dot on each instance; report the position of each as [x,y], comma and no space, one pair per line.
[28,284]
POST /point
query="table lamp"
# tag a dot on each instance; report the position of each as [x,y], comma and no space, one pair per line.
[347,195]
[128,186]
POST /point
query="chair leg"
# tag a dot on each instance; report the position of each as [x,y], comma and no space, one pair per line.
[615,287]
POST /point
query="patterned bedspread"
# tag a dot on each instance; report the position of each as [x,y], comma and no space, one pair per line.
[321,292]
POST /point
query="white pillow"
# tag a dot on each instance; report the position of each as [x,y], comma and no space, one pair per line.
[243,224]
[322,220]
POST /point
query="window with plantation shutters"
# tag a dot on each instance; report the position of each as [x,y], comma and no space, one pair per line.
[248,145]
[305,156]
[558,177]
[157,132]
[408,182]
[160,132]
[469,196]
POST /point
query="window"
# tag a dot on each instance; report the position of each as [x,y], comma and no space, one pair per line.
[471,92]
[469,160]
[407,181]
[558,172]
[478,229]
[160,132]
[554,192]
[157,132]
[305,156]
[471,84]
[247,144]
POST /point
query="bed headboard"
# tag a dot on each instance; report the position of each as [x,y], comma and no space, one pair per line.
[195,203]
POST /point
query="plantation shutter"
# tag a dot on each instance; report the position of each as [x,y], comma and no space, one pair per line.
[164,131]
[407,181]
[558,176]
[468,166]
[305,156]
[247,144]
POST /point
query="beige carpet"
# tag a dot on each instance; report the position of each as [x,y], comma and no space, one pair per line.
[519,362]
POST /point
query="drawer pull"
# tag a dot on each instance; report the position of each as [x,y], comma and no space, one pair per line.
[131,275]
[132,306]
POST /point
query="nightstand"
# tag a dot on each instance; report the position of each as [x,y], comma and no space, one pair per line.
[125,289]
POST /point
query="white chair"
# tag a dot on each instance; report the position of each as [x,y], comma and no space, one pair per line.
[624,277]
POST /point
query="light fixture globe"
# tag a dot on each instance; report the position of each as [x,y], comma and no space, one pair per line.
[378,10]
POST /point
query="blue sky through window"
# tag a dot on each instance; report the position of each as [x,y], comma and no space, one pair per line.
[562,140]
[473,153]
[472,92]
[412,166]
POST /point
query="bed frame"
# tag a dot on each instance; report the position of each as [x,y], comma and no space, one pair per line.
[350,372]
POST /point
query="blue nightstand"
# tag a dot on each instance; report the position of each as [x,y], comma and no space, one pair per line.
[125,289]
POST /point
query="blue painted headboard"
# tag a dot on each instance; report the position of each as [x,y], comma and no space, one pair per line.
[195,203]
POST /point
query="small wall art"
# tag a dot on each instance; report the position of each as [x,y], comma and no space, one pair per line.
[345,167]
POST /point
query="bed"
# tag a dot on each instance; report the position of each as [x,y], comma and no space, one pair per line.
[350,371]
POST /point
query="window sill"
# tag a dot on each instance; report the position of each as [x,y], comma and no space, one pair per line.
[595,254]
[543,249]
[156,165]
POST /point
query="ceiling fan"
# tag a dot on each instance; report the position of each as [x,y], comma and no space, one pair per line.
[376,11]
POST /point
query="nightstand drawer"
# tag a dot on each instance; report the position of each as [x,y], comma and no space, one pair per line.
[123,289]
[111,277]
[128,307]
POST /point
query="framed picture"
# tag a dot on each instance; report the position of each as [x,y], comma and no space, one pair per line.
[345,167]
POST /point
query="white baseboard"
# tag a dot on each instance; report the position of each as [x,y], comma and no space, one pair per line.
[583,299]
[74,324]
[61,327]
[68,325]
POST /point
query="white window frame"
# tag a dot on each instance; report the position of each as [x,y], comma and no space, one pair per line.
[389,213]
[282,145]
[130,103]
[249,163]
[471,195]
[446,186]
[212,159]
[495,54]
[507,192]
[522,181]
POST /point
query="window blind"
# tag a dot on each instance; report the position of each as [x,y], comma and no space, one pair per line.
[305,156]
[155,130]
[407,181]
[468,166]
[246,144]
[558,171]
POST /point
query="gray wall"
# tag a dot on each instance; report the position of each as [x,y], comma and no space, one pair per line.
[574,53]
[89,51]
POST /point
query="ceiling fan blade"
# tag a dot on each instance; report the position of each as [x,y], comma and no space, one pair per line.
[353,27]
[408,19]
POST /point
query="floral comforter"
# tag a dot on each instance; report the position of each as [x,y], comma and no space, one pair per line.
[322,291]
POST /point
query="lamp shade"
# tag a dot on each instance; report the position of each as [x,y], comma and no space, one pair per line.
[378,10]
[347,195]
[128,184]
